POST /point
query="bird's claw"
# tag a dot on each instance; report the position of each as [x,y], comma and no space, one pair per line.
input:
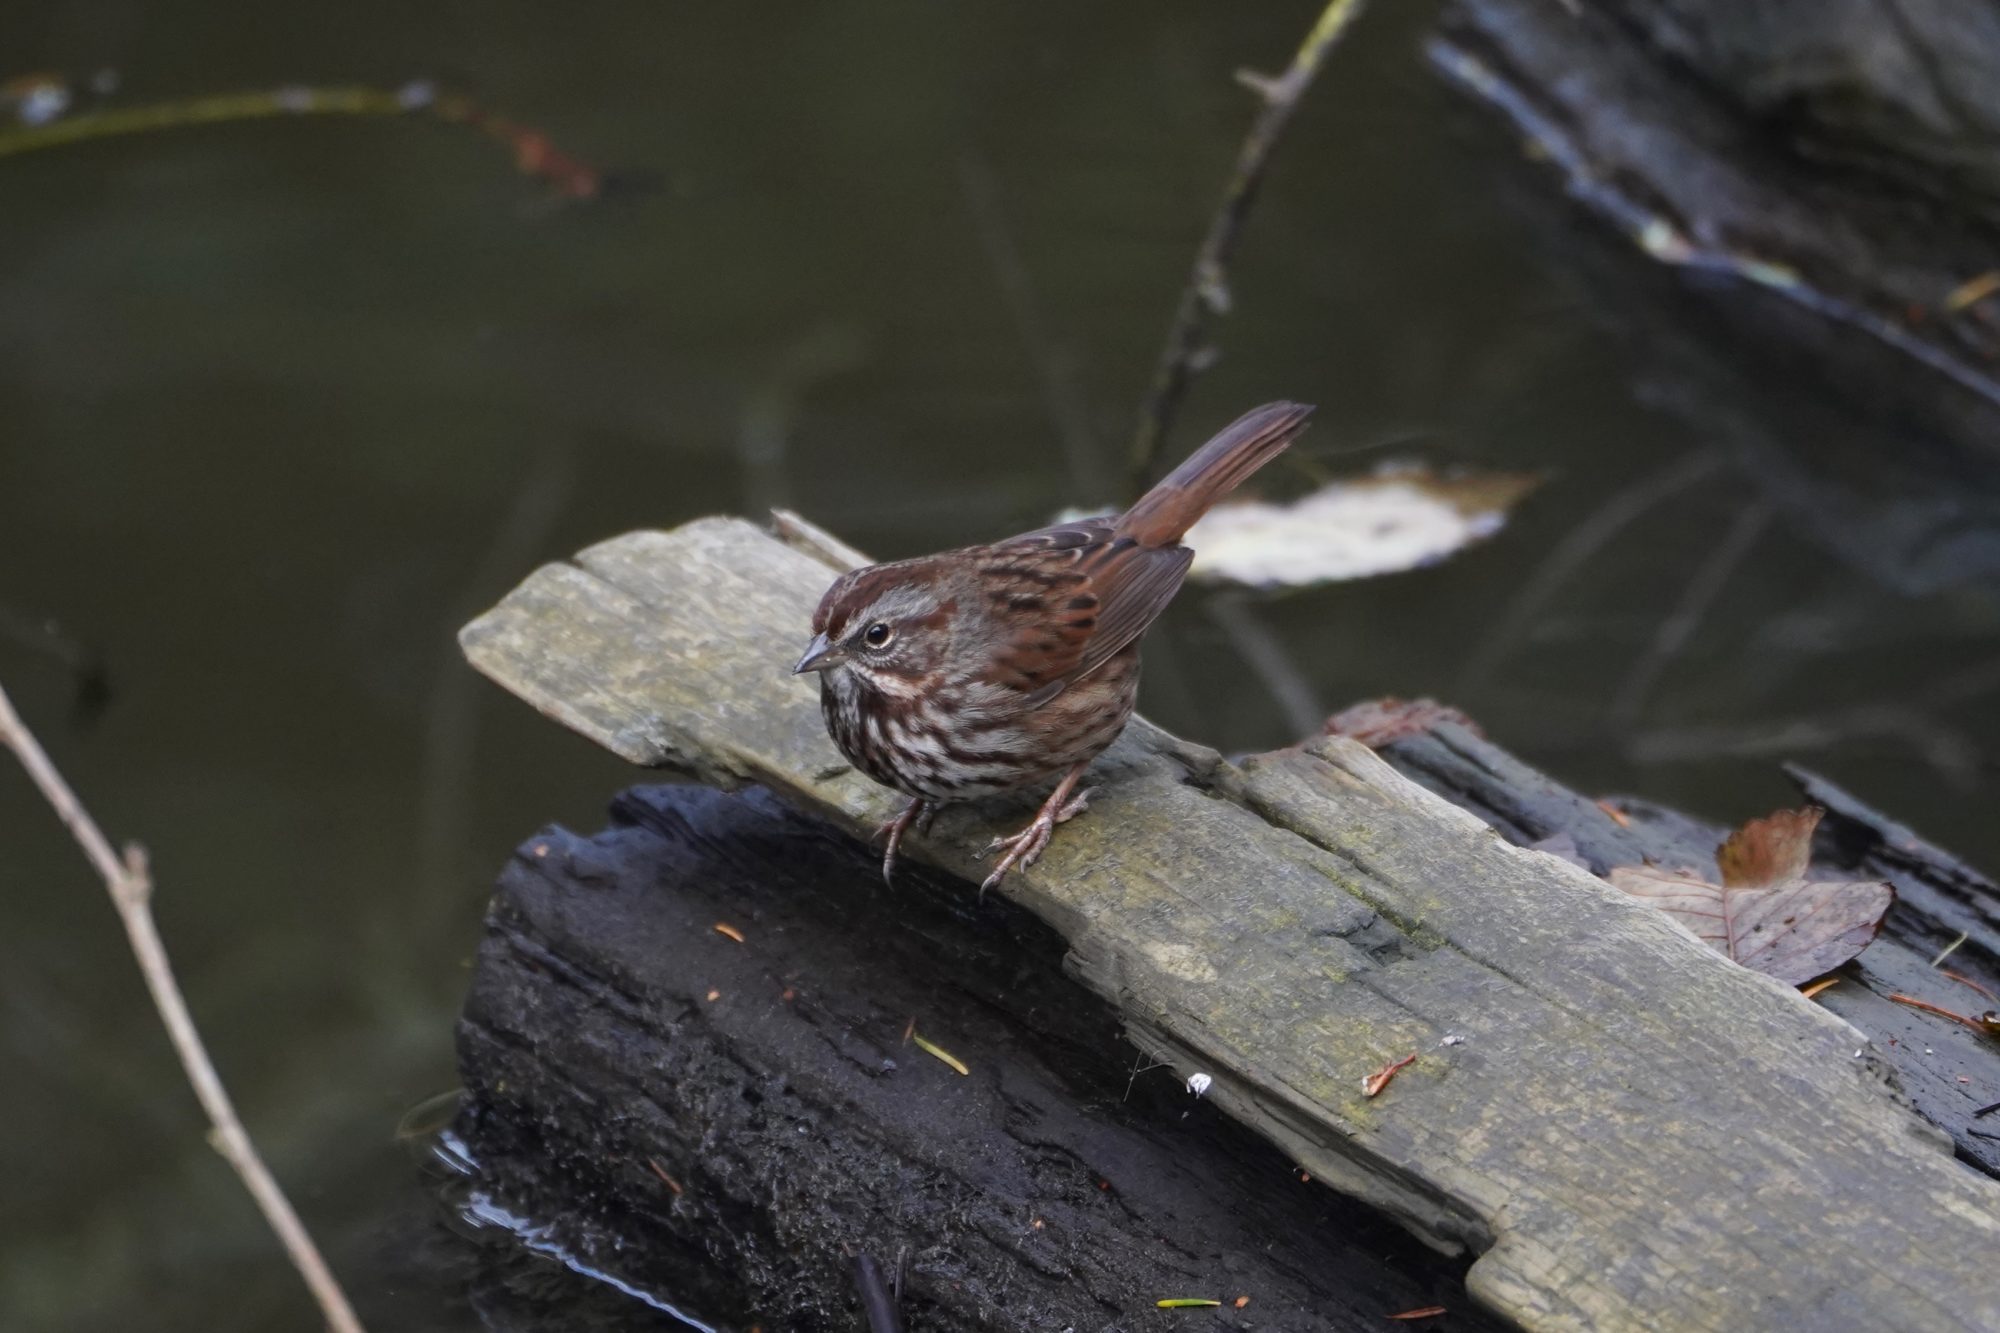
[1023,849]
[918,812]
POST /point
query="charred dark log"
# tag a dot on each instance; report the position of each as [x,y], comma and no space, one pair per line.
[723,1126]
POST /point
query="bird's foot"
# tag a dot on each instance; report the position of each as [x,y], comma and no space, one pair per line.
[1025,847]
[919,812]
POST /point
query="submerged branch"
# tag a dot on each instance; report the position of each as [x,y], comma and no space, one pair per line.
[534,155]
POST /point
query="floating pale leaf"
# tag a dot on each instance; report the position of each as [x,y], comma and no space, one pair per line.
[1399,519]
[1765,914]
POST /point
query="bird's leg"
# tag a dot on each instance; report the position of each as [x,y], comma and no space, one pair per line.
[1022,849]
[919,812]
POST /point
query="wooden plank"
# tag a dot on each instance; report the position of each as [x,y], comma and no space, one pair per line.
[1632,1133]
[1949,1072]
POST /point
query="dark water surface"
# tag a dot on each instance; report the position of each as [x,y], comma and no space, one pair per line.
[282,404]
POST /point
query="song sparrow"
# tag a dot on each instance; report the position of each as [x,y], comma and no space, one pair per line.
[990,668]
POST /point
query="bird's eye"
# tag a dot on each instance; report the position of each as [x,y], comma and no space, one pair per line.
[878,635]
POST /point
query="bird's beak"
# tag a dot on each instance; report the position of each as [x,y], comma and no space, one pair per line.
[819,656]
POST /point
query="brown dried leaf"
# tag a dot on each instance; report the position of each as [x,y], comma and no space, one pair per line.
[1765,913]
[1769,851]
[1791,929]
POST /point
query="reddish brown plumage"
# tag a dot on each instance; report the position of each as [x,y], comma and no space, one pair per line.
[1163,515]
[995,667]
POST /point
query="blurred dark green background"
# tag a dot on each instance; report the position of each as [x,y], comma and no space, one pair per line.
[282,404]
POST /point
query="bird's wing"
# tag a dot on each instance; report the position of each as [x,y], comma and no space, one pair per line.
[1092,594]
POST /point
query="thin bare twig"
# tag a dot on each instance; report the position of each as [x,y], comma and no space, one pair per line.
[1574,552]
[533,153]
[1923,721]
[1207,289]
[1696,599]
[451,717]
[1948,751]
[771,408]
[1265,654]
[1055,367]
[130,882]
[1962,1020]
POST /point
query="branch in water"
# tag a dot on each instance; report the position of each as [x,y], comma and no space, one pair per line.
[130,882]
[1207,291]
[533,153]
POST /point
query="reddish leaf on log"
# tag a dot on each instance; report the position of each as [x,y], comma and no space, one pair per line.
[1376,722]
[1765,914]
[1769,851]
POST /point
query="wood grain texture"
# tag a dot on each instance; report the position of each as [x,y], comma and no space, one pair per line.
[1634,1133]
[1948,1072]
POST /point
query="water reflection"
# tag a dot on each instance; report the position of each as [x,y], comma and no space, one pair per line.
[502,1233]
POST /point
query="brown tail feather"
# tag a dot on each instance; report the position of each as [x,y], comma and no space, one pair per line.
[1163,515]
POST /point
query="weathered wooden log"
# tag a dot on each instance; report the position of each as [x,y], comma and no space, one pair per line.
[1949,1072]
[1630,1131]
[744,1117]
